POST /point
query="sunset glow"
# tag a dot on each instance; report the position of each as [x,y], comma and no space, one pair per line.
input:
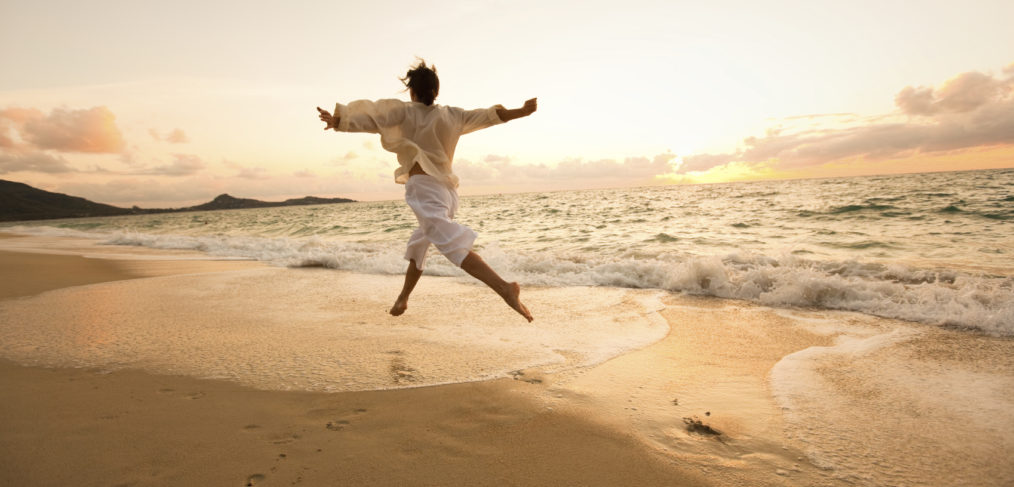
[133,103]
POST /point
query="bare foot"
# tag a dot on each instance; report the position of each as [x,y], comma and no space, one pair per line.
[513,298]
[399,307]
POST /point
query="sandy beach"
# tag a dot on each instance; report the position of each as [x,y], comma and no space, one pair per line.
[94,427]
[428,403]
[81,427]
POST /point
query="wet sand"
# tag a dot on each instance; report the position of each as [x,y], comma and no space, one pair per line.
[68,426]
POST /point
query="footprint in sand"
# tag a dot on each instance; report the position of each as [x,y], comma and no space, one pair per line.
[285,439]
[337,425]
[340,424]
[255,479]
[401,373]
[188,395]
[519,375]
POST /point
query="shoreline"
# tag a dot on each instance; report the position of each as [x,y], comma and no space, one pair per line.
[623,420]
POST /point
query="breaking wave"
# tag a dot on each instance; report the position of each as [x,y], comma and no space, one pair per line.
[943,297]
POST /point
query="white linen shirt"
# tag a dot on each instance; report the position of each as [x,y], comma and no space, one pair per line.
[417,133]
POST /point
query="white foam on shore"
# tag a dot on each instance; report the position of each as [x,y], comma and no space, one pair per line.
[947,297]
[320,330]
[896,404]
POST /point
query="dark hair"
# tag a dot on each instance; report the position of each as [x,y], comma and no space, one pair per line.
[423,81]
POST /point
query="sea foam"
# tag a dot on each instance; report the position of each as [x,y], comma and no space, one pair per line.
[939,297]
[870,407]
[945,297]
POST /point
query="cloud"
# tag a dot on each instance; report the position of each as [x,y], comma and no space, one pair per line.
[968,111]
[91,130]
[33,141]
[630,168]
[703,162]
[814,116]
[246,172]
[129,158]
[148,192]
[963,93]
[502,171]
[182,165]
[33,161]
[347,158]
[252,173]
[177,137]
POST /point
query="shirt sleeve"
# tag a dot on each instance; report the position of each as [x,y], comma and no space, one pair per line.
[472,120]
[369,116]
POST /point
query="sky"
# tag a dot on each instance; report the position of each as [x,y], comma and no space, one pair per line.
[168,104]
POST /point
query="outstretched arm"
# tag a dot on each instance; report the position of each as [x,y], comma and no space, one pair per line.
[510,114]
[364,115]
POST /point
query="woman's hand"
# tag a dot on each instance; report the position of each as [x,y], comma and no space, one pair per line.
[530,106]
[507,115]
[326,117]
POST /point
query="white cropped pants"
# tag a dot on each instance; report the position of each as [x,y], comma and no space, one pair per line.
[434,204]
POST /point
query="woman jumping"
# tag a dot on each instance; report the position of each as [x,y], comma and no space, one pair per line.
[424,135]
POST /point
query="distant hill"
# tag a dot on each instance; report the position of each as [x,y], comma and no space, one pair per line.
[19,201]
[227,202]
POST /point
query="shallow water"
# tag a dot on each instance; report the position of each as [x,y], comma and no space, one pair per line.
[902,404]
[316,330]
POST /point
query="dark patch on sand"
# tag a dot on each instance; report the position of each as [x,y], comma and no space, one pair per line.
[255,479]
[519,375]
[696,426]
[401,372]
[337,425]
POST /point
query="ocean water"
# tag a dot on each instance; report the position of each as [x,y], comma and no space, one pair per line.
[935,248]
[909,279]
